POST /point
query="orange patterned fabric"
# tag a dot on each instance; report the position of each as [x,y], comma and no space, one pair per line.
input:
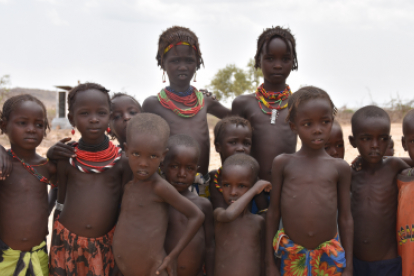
[80,256]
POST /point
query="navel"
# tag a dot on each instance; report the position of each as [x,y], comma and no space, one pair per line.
[365,241]
[25,239]
[311,234]
[88,226]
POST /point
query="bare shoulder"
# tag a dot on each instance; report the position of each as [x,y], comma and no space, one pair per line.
[341,165]
[396,163]
[408,172]
[150,103]
[282,159]
[204,204]
[242,99]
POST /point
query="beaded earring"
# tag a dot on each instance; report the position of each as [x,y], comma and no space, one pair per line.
[195,77]
[73,131]
[108,130]
[163,77]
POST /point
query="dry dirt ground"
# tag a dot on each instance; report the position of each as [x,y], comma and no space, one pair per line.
[350,152]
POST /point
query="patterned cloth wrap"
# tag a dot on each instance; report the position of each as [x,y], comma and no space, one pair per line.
[19,263]
[327,259]
[80,256]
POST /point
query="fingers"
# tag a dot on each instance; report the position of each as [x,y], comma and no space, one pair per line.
[163,265]
[66,139]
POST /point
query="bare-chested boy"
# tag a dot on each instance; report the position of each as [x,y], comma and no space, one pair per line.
[266,108]
[142,226]
[180,168]
[239,233]
[374,195]
[309,188]
[23,194]
[180,104]
[90,186]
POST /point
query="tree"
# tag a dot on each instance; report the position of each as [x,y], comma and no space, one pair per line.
[4,90]
[232,81]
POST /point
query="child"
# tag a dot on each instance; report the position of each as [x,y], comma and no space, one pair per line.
[266,108]
[374,195]
[390,148]
[335,145]
[23,195]
[231,135]
[180,104]
[142,226]
[124,107]
[239,233]
[405,182]
[309,187]
[180,168]
[90,186]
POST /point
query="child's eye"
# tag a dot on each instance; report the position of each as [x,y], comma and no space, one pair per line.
[135,154]
[306,124]
[269,59]
[327,147]
[133,112]
[173,166]
[190,168]
[22,123]
[384,138]
[39,125]
[326,122]
[241,186]
[189,60]
[102,113]
[340,145]
[84,113]
[153,156]
[412,141]
[226,185]
[117,117]
[247,144]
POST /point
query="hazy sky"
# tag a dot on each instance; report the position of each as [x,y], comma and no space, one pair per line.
[352,49]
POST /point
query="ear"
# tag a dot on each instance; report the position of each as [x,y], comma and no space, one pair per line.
[218,147]
[404,145]
[126,149]
[3,126]
[352,141]
[293,127]
[70,118]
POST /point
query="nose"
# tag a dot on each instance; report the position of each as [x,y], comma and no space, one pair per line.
[233,191]
[127,116]
[240,148]
[94,119]
[142,162]
[182,172]
[374,143]
[317,129]
[30,128]
[277,65]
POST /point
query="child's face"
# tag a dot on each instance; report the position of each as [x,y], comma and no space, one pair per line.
[313,123]
[235,139]
[236,181]
[123,109]
[26,125]
[180,62]
[90,115]
[390,149]
[371,137]
[335,145]
[145,153]
[408,139]
[180,167]
[276,61]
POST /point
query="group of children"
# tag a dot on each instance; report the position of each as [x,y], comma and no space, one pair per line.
[149,206]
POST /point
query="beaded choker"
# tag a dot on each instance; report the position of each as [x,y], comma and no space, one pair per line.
[111,153]
[31,169]
[188,92]
[262,96]
[196,100]
[215,180]
[94,148]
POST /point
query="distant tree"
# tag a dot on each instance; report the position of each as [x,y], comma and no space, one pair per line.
[4,88]
[232,81]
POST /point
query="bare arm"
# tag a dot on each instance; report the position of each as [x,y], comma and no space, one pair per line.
[216,108]
[235,209]
[209,234]
[273,214]
[194,215]
[61,150]
[6,163]
[262,247]
[52,197]
[345,220]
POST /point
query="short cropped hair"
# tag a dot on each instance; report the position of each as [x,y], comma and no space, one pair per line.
[282,33]
[12,102]
[148,123]
[182,140]
[408,119]
[369,111]
[83,87]
[174,35]
[231,120]
[243,160]
[303,95]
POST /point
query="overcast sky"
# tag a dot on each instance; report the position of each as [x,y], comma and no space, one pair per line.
[352,49]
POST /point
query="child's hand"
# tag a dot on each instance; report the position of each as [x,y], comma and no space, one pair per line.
[169,265]
[208,94]
[6,164]
[263,185]
[62,150]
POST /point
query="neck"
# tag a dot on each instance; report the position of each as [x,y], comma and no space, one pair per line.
[180,88]
[274,87]
[371,167]
[26,155]
[312,152]
[186,192]
[93,142]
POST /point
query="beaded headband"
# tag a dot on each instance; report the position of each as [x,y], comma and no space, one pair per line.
[178,43]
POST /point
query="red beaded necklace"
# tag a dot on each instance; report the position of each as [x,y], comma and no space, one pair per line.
[195,99]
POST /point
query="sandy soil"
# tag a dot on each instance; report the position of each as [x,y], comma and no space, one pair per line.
[350,152]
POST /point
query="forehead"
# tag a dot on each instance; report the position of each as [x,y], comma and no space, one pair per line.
[180,51]
[276,46]
[372,126]
[237,171]
[91,98]
[123,102]
[319,107]
[182,152]
[336,131]
[142,141]
[28,108]
[408,127]
[236,130]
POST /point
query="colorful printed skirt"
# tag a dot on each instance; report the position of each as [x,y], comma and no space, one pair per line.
[327,259]
[80,256]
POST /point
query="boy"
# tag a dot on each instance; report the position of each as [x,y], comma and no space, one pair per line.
[374,195]
[180,168]
[239,233]
[266,110]
[311,194]
[405,220]
[179,55]
[142,226]
[335,145]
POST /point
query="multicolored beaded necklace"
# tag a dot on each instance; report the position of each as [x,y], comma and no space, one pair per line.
[262,95]
[110,152]
[215,180]
[31,169]
[196,100]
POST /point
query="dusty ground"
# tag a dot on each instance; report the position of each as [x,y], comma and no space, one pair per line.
[350,152]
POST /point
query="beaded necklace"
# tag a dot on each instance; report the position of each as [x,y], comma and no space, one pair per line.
[196,100]
[31,169]
[215,180]
[262,95]
[112,152]
[188,92]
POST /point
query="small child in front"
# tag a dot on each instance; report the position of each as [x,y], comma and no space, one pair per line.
[309,187]
[374,195]
[335,145]
[23,195]
[405,217]
[180,168]
[142,226]
[239,233]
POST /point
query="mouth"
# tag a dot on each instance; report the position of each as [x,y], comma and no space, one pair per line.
[231,201]
[142,173]
[94,130]
[30,139]
[374,154]
[179,184]
[318,141]
[182,76]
